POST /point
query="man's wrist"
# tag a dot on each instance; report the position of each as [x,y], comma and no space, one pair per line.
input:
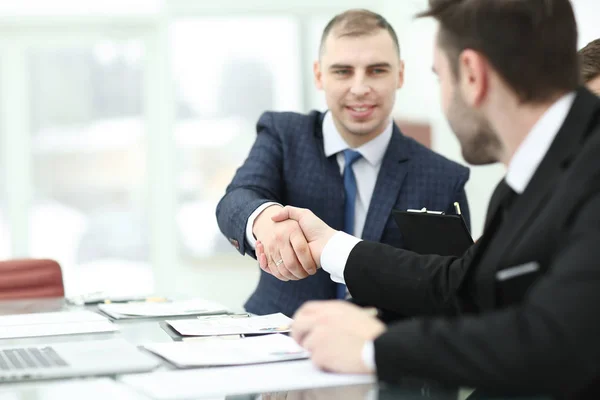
[263,220]
[326,238]
[335,253]
[250,238]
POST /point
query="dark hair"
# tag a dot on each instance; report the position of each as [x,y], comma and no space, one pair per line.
[532,44]
[358,22]
[589,57]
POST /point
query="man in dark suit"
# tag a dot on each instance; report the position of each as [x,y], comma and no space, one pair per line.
[590,65]
[350,165]
[518,312]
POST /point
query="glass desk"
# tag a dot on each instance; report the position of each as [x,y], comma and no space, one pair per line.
[149,330]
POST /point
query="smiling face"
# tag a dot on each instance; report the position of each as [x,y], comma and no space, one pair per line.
[360,76]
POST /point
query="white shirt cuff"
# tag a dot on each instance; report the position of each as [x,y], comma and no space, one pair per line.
[250,223]
[368,356]
[335,255]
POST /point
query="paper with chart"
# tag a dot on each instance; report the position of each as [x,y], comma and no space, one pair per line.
[222,381]
[162,309]
[218,352]
[225,325]
[53,323]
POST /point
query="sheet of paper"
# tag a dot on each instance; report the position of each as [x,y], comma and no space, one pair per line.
[222,381]
[53,323]
[56,317]
[163,309]
[218,352]
[89,389]
[272,323]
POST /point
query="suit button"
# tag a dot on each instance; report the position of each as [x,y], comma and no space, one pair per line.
[234,243]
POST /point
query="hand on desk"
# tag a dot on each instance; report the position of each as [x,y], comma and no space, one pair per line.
[296,232]
[335,332]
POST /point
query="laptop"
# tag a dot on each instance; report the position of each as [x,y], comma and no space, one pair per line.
[433,232]
[72,359]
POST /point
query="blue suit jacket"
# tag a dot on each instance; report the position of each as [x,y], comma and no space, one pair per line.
[287,164]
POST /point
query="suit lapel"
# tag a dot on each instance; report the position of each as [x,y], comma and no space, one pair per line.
[528,205]
[330,180]
[499,193]
[389,181]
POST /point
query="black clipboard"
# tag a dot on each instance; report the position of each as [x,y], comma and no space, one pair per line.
[433,233]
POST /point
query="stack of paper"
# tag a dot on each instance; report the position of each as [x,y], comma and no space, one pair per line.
[225,325]
[223,381]
[53,323]
[217,352]
[173,308]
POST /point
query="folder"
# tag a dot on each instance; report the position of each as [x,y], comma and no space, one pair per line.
[161,309]
[427,232]
[229,325]
[54,324]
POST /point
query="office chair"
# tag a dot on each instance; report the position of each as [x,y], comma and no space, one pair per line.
[30,278]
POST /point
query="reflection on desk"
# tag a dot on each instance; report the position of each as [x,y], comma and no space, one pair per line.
[195,383]
[90,389]
[141,332]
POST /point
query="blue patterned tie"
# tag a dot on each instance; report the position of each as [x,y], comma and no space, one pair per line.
[350,156]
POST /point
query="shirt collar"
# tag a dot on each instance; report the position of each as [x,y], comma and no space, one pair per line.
[530,153]
[372,151]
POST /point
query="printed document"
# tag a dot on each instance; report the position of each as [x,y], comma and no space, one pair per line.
[53,323]
[219,352]
[226,325]
[162,309]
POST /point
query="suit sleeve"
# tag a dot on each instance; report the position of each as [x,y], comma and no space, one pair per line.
[423,285]
[257,181]
[548,342]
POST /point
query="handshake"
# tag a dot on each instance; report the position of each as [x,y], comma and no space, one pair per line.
[290,241]
[289,245]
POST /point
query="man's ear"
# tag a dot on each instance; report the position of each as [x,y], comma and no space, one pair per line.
[401,75]
[318,75]
[473,76]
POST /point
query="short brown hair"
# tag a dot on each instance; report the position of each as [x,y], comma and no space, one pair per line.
[358,22]
[532,44]
[589,57]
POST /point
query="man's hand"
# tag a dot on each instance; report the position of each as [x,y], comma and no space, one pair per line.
[335,332]
[281,248]
[316,232]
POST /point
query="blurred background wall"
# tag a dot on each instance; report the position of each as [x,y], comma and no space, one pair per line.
[122,122]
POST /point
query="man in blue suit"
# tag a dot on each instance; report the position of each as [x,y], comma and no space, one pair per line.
[350,165]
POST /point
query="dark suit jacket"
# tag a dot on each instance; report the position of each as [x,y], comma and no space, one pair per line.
[538,331]
[287,164]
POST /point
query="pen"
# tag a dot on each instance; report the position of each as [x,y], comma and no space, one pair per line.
[457,207]
[130,300]
[220,316]
[278,329]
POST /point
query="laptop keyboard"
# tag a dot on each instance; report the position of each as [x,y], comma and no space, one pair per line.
[32,357]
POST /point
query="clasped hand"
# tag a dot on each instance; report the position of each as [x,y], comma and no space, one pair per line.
[290,241]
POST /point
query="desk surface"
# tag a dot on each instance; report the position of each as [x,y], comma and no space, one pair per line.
[143,331]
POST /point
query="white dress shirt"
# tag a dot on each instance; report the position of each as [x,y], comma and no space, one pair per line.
[530,153]
[520,170]
[365,170]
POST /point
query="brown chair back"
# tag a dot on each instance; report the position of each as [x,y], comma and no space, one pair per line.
[30,278]
[419,131]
